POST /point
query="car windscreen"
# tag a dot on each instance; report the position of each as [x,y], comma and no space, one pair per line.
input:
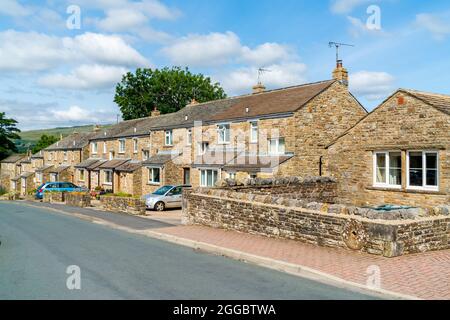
[162,191]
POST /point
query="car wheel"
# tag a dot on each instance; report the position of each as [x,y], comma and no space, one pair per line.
[160,206]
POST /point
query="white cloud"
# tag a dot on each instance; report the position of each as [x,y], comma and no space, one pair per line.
[121,19]
[278,76]
[32,51]
[266,53]
[74,113]
[109,49]
[371,85]
[85,77]
[13,8]
[221,48]
[437,25]
[347,6]
[204,50]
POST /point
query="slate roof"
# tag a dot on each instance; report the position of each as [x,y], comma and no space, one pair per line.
[59,169]
[272,102]
[160,159]
[75,141]
[44,168]
[13,158]
[112,164]
[130,166]
[38,155]
[87,163]
[439,101]
[27,174]
[115,130]
[256,163]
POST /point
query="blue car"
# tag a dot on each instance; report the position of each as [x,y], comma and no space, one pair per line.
[57,187]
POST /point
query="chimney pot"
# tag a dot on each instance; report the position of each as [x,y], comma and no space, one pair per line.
[194,102]
[340,73]
[155,112]
[259,88]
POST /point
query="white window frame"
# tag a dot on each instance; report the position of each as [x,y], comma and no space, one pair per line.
[424,187]
[38,176]
[278,152]
[387,166]
[189,137]
[105,181]
[94,147]
[65,156]
[151,175]
[204,179]
[254,132]
[111,155]
[50,156]
[226,138]
[122,146]
[105,151]
[135,145]
[168,138]
[53,177]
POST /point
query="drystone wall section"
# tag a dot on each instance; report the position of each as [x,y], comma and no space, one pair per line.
[389,234]
[133,206]
[78,200]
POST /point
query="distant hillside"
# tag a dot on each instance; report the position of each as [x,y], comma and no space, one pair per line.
[30,138]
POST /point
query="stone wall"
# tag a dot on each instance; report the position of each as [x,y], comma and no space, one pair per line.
[54,197]
[82,200]
[134,206]
[320,224]
[5,181]
[411,126]
[320,189]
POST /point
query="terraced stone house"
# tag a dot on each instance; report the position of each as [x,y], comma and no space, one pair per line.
[9,169]
[397,154]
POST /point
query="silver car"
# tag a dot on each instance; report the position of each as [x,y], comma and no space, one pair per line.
[165,197]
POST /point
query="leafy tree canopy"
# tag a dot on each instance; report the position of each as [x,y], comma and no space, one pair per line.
[167,89]
[8,132]
[44,142]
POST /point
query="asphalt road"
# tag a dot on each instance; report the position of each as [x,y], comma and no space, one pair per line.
[38,245]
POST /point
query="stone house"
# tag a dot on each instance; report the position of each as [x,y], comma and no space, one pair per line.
[65,154]
[398,154]
[9,169]
[275,133]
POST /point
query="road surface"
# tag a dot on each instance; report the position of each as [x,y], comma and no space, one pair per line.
[38,245]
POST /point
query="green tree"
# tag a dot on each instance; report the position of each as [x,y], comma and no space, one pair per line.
[8,133]
[167,89]
[44,142]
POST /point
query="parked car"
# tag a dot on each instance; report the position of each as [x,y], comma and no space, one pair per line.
[165,197]
[58,187]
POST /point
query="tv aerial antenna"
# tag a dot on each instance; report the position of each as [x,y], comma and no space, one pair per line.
[337,45]
[261,71]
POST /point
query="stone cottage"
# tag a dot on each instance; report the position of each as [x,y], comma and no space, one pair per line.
[275,133]
[63,155]
[397,154]
[9,169]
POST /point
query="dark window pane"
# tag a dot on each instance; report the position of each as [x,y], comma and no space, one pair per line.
[431,161]
[415,160]
[432,178]
[416,177]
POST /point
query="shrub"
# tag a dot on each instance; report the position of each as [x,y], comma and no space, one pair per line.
[3,190]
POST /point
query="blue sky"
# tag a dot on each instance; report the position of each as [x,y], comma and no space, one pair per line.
[52,75]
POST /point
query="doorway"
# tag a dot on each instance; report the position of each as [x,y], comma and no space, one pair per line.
[186,176]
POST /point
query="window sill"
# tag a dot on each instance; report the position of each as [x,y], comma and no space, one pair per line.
[412,191]
[154,183]
[107,183]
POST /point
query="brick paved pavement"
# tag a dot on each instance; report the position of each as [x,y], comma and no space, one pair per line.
[425,276]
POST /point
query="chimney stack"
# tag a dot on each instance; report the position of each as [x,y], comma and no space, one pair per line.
[259,88]
[61,136]
[96,128]
[194,102]
[155,113]
[340,73]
